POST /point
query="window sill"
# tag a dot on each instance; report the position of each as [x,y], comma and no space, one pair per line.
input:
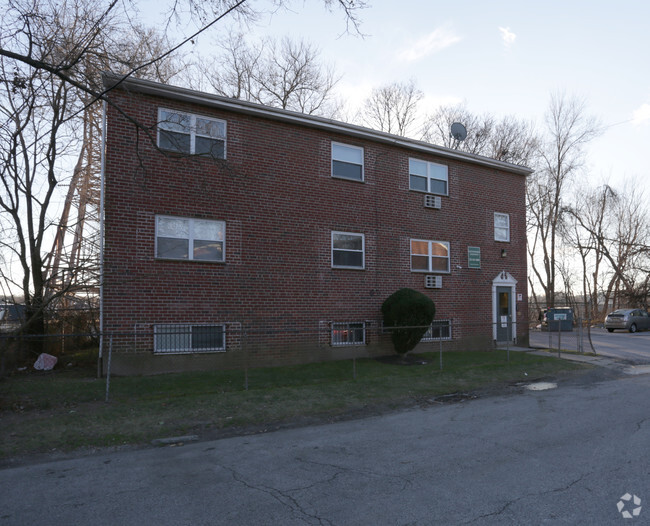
[177,154]
[185,352]
[340,178]
[427,193]
[211,261]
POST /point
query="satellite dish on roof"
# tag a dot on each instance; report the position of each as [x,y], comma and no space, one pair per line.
[458,131]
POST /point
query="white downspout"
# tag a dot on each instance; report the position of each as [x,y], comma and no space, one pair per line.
[101,238]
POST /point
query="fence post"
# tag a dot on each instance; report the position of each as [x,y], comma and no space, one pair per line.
[108,366]
[580,333]
[245,348]
[509,333]
[559,340]
[100,356]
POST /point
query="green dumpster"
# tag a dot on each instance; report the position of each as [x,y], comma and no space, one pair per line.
[560,319]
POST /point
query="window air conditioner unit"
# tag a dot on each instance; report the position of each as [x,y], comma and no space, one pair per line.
[432,201]
[432,282]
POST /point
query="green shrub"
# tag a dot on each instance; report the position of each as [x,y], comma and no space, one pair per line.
[410,309]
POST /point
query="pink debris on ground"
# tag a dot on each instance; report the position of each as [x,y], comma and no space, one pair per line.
[45,362]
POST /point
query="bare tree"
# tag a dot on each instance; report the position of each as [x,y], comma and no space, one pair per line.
[585,232]
[50,54]
[392,108]
[626,248]
[610,229]
[34,117]
[23,17]
[513,141]
[509,139]
[437,129]
[119,51]
[45,122]
[561,156]
[286,74]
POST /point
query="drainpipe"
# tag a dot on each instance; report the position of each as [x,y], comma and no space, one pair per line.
[101,245]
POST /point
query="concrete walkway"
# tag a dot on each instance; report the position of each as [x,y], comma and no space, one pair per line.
[598,360]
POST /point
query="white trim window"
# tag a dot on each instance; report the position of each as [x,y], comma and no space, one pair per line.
[186,338]
[429,256]
[348,250]
[190,239]
[432,178]
[347,161]
[439,330]
[191,134]
[348,333]
[501,227]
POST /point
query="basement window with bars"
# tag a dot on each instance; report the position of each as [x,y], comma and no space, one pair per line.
[439,330]
[349,333]
[187,338]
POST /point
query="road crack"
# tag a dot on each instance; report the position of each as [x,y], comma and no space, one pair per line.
[283,497]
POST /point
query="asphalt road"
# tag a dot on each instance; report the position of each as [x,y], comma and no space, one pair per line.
[560,456]
[632,348]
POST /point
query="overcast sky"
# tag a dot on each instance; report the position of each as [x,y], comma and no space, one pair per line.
[500,57]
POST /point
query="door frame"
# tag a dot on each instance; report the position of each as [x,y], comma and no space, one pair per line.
[504,280]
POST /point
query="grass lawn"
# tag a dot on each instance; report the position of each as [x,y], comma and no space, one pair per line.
[64,410]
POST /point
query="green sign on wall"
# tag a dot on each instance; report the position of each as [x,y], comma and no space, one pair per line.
[474,257]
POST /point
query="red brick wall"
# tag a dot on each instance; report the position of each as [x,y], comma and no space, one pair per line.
[279,202]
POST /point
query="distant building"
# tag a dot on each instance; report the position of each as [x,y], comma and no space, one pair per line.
[12,316]
[238,234]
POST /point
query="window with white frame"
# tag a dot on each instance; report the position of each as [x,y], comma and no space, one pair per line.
[501,227]
[349,333]
[190,239]
[429,256]
[191,134]
[348,250]
[428,177]
[186,338]
[347,161]
[439,330]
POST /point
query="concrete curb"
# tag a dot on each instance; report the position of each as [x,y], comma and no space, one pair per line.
[174,440]
[599,360]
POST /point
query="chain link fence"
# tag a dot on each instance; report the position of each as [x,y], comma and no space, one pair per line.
[158,348]
[574,337]
[233,345]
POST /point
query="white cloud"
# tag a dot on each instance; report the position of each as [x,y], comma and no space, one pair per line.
[441,38]
[507,36]
[431,103]
[641,114]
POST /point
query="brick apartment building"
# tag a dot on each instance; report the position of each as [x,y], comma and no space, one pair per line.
[237,234]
